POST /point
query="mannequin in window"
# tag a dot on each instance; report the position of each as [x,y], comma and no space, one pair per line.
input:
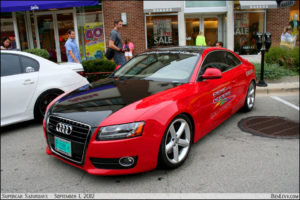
[295,25]
[287,39]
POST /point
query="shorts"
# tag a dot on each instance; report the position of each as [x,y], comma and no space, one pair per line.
[128,53]
[119,58]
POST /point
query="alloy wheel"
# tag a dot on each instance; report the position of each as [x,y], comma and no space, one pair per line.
[251,96]
[178,140]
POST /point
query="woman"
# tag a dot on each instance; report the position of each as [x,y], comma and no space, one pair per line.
[5,44]
[200,39]
[128,46]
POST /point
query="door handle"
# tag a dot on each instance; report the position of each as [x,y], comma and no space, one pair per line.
[28,82]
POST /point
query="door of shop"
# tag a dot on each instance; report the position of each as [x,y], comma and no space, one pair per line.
[212,26]
[51,29]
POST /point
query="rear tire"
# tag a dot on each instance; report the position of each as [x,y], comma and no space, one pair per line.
[176,143]
[43,101]
[250,98]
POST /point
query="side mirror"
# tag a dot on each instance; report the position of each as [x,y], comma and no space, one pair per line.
[212,73]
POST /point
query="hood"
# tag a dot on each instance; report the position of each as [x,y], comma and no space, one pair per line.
[92,103]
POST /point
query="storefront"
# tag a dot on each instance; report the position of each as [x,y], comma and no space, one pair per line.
[247,22]
[45,26]
[178,23]
[206,16]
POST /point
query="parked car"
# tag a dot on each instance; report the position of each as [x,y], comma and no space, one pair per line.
[29,83]
[150,110]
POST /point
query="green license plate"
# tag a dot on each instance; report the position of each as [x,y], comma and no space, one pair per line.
[62,146]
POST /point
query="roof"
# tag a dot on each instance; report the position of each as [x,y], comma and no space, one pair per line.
[187,49]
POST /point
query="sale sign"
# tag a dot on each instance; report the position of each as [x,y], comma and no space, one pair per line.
[162,31]
[94,40]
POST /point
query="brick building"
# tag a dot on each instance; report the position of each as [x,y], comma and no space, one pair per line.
[135,21]
[150,24]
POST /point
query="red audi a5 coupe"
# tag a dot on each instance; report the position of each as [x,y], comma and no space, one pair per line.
[149,111]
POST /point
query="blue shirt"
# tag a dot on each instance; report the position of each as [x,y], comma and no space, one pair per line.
[71,45]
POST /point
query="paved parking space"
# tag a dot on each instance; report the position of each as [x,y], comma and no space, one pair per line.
[226,160]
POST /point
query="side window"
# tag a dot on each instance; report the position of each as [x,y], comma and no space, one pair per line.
[232,60]
[10,65]
[215,59]
[29,65]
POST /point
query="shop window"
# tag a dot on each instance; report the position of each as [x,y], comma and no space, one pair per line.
[7,28]
[246,25]
[294,20]
[64,23]
[22,30]
[162,31]
[91,32]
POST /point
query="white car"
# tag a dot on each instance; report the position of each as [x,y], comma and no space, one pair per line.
[29,83]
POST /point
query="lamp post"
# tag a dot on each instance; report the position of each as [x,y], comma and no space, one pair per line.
[263,46]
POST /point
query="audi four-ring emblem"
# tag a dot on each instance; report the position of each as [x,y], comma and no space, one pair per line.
[64,128]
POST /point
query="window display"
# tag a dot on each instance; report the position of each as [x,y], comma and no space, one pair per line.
[162,31]
[91,32]
[246,25]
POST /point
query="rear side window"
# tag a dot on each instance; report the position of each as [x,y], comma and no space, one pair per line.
[10,65]
[232,60]
[29,64]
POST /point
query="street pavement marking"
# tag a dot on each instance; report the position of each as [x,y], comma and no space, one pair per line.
[285,102]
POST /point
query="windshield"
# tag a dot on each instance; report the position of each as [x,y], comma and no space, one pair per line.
[168,67]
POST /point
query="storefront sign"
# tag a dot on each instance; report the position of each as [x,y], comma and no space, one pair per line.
[241,24]
[162,31]
[94,40]
[162,10]
[35,7]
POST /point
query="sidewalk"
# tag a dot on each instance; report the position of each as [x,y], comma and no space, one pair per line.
[288,84]
[284,85]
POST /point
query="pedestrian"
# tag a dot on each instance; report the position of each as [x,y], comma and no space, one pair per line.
[5,44]
[200,39]
[72,49]
[219,44]
[128,47]
[115,43]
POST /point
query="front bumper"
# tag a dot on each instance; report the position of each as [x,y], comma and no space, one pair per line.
[102,157]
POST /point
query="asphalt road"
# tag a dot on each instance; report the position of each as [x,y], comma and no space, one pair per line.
[227,160]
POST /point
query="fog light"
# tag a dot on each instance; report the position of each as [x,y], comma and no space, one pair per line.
[126,161]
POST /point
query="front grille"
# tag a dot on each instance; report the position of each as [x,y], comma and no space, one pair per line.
[79,137]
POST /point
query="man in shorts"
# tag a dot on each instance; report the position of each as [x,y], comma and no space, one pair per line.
[115,43]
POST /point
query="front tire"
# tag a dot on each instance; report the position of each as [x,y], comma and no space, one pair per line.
[43,101]
[250,98]
[176,143]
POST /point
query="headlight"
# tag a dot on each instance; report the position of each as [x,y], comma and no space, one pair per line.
[121,131]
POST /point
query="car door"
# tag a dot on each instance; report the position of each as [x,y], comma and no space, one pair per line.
[238,72]
[219,97]
[19,77]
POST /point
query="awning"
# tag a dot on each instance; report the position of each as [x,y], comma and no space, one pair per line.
[257,4]
[13,6]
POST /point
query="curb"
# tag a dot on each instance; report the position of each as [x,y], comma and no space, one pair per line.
[278,88]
